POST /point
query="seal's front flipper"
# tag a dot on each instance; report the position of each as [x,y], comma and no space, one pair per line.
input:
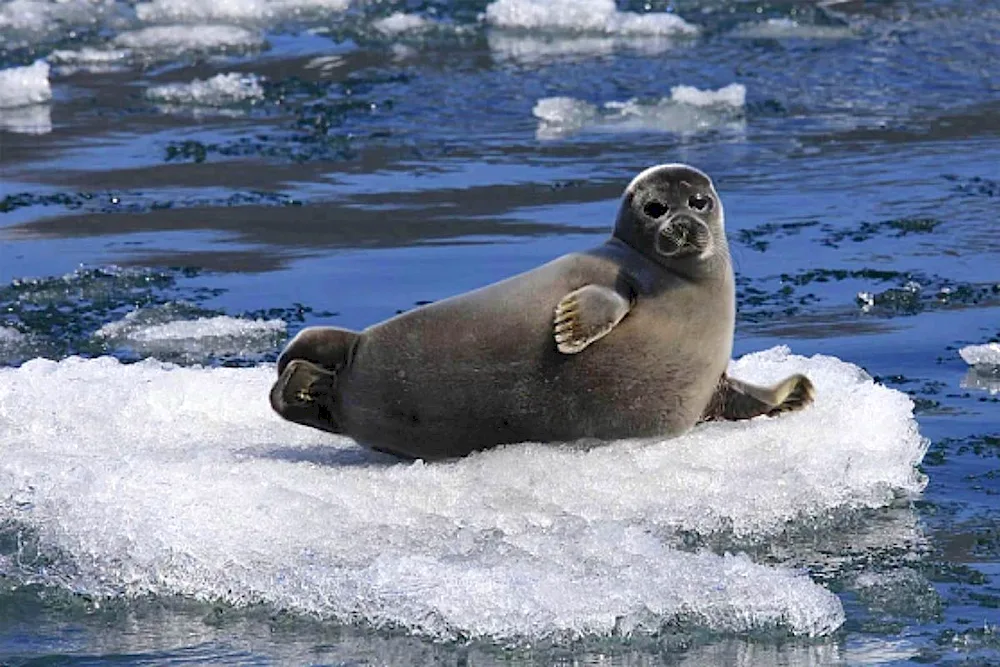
[734,399]
[586,315]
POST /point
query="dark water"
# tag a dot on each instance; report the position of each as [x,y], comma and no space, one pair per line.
[372,172]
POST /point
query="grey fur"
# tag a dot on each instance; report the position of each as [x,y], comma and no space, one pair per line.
[485,368]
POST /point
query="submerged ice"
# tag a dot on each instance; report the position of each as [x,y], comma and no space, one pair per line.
[151,478]
[219,90]
[162,332]
[24,86]
[687,110]
[597,16]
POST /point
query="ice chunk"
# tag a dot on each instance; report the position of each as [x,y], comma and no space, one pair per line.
[399,22]
[180,38]
[151,478]
[88,59]
[784,28]
[598,16]
[25,22]
[219,90]
[733,95]
[23,86]
[981,355]
[688,110]
[240,11]
[35,119]
[156,331]
[10,335]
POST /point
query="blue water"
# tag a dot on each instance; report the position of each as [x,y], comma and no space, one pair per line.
[404,169]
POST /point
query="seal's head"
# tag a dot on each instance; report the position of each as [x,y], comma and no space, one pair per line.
[672,214]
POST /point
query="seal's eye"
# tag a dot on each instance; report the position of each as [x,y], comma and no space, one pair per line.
[655,209]
[700,202]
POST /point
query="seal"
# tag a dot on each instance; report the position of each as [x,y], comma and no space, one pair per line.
[630,339]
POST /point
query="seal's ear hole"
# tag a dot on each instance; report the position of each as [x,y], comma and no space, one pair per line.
[655,209]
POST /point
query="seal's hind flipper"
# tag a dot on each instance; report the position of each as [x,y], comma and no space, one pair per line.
[586,315]
[308,368]
[306,394]
[734,399]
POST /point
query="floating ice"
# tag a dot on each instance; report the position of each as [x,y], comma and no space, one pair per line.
[599,16]
[985,363]
[179,38]
[688,110]
[535,48]
[253,11]
[734,95]
[35,119]
[23,86]
[10,335]
[783,28]
[15,347]
[219,90]
[399,22]
[24,22]
[151,478]
[156,331]
[88,59]
[981,355]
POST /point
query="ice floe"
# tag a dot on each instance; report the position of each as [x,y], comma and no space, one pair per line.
[10,335]
[158,332]
[785,28]
[173,39]
[536,48]
[399,23]
[88,59]
[24,86]
[220,90]
[152,478]
[688,110]
[985,367]
[34,119]
[596,16]
[240,11]
[981,355]
[25,22]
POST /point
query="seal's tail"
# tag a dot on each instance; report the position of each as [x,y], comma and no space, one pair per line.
[306,389]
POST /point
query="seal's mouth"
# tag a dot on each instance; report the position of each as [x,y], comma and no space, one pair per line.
[683,235]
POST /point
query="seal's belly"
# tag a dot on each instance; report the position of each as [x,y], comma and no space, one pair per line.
[453,378]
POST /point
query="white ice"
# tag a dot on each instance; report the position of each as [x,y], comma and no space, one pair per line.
[783,28]
[981,355]
[151,478]
[242,11]
[399,23]
[688,110]
[155,331]
[179,38]
[596,16]
[540,48]
[734,95]
[34,119]
[220,90]
[24,86]
[88,59]
[9,336]
[24,22]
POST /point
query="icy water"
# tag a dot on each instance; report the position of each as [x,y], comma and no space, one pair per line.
[183,185]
